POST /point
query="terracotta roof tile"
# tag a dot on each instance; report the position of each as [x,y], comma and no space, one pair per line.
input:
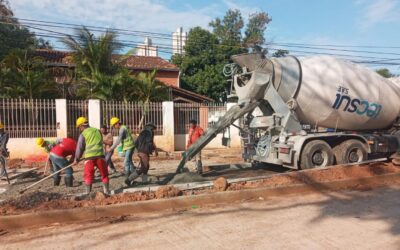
[147,63]
[190,93]
[54,56]
[132,62]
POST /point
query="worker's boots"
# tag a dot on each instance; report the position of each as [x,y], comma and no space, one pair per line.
[88,189]
[106,188]
[199,167]
[68,180]
[131,177]
[57,180]
[145,179]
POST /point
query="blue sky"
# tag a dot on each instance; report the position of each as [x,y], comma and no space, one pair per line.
[319,22]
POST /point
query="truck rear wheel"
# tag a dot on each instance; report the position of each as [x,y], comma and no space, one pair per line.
[350,151]
[316,153]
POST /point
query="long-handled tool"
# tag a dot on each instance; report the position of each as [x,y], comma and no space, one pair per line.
[45,167]
[45,178]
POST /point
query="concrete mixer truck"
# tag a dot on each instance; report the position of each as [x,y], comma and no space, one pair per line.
[309,112]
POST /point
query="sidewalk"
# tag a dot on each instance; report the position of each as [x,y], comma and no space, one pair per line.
[350,220]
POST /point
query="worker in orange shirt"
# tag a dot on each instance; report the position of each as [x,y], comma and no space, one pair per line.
[195,132]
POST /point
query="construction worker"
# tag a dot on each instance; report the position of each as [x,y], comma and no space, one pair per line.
[126,140]
[47,145]
[90,147]
[108,142]
[145,146]
[195,133]
[58,157]
[3,140]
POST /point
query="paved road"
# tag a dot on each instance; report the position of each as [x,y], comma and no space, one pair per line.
[350,220]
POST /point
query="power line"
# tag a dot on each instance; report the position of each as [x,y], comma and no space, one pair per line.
[168,35]
[331,49]
[331,54]
[89,26]
[343,46]
[160,47]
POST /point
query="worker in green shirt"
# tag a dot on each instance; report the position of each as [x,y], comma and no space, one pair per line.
[126,140]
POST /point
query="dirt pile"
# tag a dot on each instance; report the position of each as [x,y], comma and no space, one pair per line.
[15,163]
[167,191]
[27,201]
[220,184]
[100,196]
[40,202]
[320,175]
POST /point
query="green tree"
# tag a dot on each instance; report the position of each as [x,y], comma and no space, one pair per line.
[207,52]
[13,35]
[280,53]
[93,62]
[25,76]
[255,29]
[5,10]
[229,29]
[202,64]
[147,89]
[100,74]
[384,72]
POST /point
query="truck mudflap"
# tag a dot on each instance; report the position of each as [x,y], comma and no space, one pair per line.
[234,113]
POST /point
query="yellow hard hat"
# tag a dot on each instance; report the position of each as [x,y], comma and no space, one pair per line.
[114,121]
[1,125]
[40,142]
[80,121]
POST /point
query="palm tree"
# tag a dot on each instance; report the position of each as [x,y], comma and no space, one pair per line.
[148,89]
[26,76]
[93,60]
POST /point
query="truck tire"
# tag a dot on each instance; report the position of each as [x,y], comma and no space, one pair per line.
[316,153]
[350,151]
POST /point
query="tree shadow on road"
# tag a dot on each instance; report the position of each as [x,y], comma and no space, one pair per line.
[380,204]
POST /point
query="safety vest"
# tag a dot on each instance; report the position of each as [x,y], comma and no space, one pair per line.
[127,143]
[49,146]
[94,143]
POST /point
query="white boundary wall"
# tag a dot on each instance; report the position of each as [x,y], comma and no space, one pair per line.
[26,148]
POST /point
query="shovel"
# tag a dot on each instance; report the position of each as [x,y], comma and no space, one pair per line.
[45,178]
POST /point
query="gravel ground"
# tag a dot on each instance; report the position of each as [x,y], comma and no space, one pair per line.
[43,201]
[217,163]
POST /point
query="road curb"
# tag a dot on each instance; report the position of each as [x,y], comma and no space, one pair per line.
[74,215]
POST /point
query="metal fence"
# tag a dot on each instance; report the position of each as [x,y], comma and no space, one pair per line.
[206,115]
[75,109]
[37,118]
[29,118]
[134,115]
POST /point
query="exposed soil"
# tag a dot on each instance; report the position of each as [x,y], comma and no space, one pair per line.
[161,168]
[41,201]
[167,191]
[220,184]
[321,175]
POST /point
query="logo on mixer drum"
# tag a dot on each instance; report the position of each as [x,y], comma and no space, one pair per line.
[354,105]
